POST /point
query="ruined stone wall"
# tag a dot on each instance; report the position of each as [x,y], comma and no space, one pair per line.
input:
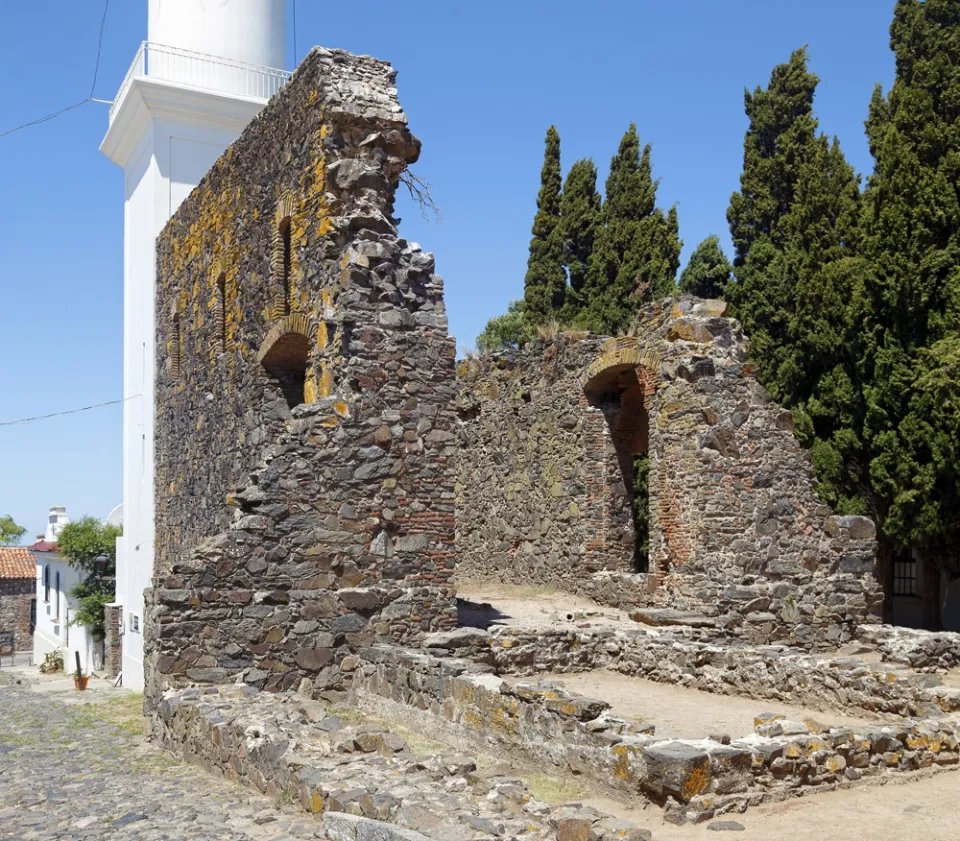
[15,597]
[305,394]
[736,528]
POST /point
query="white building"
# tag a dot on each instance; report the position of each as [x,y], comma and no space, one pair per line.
[206,69]
[55,608]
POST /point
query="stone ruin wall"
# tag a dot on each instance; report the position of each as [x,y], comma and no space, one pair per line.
[15,597]
[736,530]
[288,538]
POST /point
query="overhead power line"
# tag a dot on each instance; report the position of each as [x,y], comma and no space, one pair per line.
[68,411]
[93,85]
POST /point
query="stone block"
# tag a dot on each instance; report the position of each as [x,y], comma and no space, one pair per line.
[676,769]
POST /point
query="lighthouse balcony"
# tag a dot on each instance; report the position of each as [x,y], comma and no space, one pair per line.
[199,72]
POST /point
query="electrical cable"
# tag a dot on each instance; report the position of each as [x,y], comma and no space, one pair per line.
[69,411]
[96,70]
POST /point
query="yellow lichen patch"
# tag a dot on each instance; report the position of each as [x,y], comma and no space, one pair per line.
[697,780]
[316,802]
[325,227]
[329,422]
[621,763]
[322,335]
[341,409]
[309,390]
[326,380]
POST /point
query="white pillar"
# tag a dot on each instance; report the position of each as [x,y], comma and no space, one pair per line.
[189,94]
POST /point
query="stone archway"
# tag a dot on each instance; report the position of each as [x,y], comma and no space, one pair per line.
[285,357]
[616,388]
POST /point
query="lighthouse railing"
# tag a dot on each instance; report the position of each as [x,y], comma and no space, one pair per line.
[201,71]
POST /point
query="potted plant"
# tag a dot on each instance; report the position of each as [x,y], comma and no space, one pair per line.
[79,678]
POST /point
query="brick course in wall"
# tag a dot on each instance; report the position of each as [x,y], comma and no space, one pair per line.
[736,530]
[305,393]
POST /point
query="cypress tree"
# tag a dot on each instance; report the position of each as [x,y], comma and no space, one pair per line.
[798,287]
[912,235]
[708,270]
[545,282]
[580,221]
[636,253]
[782,128]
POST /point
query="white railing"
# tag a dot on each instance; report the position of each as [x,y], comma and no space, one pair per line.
[198,70]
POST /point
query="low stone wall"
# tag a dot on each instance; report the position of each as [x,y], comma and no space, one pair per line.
[362,778]
[694,780]
[689,658]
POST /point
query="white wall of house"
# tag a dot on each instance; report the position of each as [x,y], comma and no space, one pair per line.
[55,611]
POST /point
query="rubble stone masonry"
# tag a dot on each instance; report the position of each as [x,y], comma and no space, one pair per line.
[15,597]
[306,399]
[547,438]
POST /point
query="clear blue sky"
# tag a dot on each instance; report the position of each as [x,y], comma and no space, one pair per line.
[480,81]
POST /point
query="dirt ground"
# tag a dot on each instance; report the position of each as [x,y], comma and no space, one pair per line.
[683,713]
[533,607]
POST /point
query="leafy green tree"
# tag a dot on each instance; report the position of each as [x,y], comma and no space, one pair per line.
[580,220]
[912,235]
[799,277]
[545,283]
[81,543]
[510,330]
[636,253]
[707,272]
[10,532]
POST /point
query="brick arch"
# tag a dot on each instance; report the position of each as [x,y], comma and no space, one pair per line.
[283,262]
[284,356]
[616,391]
[297,322]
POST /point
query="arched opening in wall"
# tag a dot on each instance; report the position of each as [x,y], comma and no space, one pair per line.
[221,313]
[283,232]
[285,363]
[620,468]
[174,350]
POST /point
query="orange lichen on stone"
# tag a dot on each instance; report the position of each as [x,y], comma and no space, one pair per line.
[326,380]
[322,335]
[697,780]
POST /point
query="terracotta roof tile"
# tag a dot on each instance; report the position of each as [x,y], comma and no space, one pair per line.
[17,562]
[43,546]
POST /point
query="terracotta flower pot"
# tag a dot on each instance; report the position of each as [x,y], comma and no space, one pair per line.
[80,682]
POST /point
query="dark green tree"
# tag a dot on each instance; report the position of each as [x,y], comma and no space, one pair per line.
[580,219]
[708,270]
[545,283]
[798,287]
[781,133]
[636,253]
[912,235]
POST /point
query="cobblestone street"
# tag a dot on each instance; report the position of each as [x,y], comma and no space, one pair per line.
[83,771]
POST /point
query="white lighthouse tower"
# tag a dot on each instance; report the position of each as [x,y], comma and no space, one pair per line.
[205,70]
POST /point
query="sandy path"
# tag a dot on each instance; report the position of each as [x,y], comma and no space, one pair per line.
[918,810]
[684,713]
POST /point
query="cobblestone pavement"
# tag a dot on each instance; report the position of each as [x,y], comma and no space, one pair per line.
[83,771]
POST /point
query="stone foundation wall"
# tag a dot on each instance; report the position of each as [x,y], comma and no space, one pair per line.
[736,531]
[361,779]
[693,779]
[690,658]
[15,598]
[304,449]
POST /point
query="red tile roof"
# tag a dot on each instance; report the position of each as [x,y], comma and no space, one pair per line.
[43,546]
[17,562]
